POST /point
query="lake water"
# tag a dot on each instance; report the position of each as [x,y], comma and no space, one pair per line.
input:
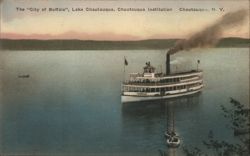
[71,102]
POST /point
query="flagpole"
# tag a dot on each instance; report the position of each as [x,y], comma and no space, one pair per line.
[198,62]
[124,65]
[124,69]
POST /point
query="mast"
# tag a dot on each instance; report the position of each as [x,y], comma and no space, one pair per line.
[124,68]
[124,65]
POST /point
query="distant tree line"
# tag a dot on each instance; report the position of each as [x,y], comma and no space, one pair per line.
[7,44]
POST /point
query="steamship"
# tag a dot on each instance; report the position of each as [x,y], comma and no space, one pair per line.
[151,85]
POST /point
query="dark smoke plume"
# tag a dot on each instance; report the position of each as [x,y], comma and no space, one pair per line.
[211,34]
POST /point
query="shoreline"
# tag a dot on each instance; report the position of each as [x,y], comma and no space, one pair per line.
[152,44]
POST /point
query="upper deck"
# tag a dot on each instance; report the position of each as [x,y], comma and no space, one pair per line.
[164,76]
[159,77]
[150,77]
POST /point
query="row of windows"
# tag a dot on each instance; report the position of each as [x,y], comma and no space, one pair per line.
[163,81]
[136,89]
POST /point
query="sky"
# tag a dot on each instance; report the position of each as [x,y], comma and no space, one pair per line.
[125,25]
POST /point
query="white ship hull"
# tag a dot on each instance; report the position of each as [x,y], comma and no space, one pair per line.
[129,98]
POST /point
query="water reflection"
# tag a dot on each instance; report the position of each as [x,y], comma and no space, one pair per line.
[157,108]
[148,121]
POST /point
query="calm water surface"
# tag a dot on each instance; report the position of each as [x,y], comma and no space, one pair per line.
[71,102]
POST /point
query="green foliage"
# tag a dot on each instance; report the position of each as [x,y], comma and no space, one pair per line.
[238,116]
[239,119]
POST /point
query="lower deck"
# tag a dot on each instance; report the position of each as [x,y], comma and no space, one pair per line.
[160,89]
[149,96]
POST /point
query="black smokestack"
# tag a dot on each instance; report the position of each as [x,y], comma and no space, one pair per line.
[168,64]
[211,35]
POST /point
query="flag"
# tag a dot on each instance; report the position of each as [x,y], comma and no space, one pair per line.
[125,61]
